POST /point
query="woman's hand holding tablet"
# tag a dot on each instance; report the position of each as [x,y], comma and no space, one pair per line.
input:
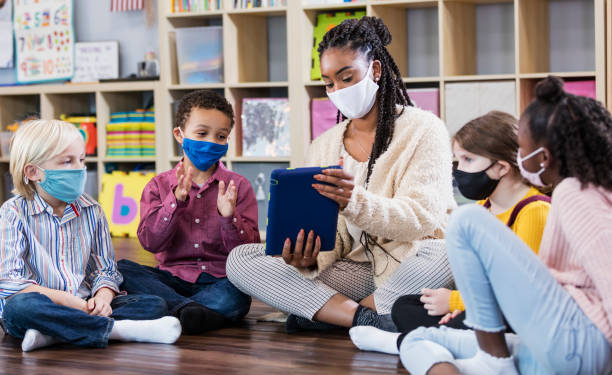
[302,256]
[343,189]
[296,207]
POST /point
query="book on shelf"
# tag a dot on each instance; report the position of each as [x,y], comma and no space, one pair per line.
[249,4]
[329,2]
[325,22]
[265,127]
[581,88]
[131,134]
[324,115]
[194,6]
[427,99]
[199,53]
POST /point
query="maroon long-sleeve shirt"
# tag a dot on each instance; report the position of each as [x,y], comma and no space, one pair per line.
[191,237]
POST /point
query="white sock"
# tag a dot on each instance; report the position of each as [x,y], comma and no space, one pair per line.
[33,339]
[418,356]
[484,363]
[373,339]
[165,330]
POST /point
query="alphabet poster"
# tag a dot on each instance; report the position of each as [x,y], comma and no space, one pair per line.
[44,40]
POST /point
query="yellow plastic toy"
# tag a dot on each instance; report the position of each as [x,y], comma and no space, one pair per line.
[120,200]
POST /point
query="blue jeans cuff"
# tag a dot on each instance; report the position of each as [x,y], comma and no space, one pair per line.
[501,328]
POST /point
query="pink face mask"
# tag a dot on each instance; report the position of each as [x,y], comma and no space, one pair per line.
[534,178]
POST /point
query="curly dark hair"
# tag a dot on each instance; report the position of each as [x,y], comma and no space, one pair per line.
[205,99]
[577,130]
[369,35]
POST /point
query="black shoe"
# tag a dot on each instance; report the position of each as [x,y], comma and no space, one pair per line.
[368,317]
[297,323]
[196,319]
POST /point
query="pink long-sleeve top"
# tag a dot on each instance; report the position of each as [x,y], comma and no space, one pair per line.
[577,248]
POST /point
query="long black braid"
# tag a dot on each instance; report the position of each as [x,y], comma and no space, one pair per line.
[577,131]
[370,35]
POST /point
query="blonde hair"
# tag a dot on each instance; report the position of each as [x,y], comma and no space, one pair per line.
[34,143]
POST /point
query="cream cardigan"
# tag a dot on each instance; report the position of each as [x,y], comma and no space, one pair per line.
[409,196]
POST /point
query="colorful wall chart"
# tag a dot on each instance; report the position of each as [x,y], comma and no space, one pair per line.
[44,40]
[6,34]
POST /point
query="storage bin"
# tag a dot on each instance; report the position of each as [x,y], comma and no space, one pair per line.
[199,53]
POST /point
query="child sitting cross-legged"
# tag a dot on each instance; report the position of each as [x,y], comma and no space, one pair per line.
[58,277]
[192,217]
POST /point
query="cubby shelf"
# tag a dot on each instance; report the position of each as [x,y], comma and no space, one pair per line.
[258,84]
[129,160]
[440,44]
[332,7]
[590,74]
[261,159]
[203,86]
[479,77]
[195,15]
[268,11]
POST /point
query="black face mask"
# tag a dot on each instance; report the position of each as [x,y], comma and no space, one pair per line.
[476,185]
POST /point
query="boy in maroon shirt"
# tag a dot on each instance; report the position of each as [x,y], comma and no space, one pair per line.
[192,217]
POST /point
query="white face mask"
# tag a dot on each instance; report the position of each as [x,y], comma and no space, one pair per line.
[357,100]
[534,178]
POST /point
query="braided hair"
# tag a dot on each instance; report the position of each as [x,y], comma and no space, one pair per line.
[576,130]
[369,35]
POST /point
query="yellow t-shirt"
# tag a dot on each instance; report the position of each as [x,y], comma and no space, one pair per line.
[529,226]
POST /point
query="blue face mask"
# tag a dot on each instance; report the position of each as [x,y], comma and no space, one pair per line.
[203,154]
[67,185]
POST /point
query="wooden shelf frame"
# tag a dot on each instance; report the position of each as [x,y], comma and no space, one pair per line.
[246,67]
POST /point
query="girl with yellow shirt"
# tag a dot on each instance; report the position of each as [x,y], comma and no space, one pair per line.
[486,170]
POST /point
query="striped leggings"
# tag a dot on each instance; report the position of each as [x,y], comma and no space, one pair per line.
[281,286]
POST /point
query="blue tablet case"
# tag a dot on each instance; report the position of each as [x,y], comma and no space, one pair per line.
[294,204]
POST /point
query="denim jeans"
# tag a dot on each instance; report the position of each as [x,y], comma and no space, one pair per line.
[499,276]
[25,311]
[217,294]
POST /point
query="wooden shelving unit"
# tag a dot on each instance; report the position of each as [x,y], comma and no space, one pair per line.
[436,43]
[50,101]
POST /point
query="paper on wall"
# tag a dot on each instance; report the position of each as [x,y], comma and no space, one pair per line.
[6,34]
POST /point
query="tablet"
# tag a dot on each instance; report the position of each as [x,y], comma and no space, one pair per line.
[294,204]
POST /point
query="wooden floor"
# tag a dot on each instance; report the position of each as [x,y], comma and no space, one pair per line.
[250,348]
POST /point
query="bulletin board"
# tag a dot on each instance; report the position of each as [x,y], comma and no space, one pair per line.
[44,40]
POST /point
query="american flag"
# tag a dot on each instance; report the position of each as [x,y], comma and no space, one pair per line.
[125,5]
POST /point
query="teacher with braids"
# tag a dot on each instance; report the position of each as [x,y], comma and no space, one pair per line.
[394,192]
